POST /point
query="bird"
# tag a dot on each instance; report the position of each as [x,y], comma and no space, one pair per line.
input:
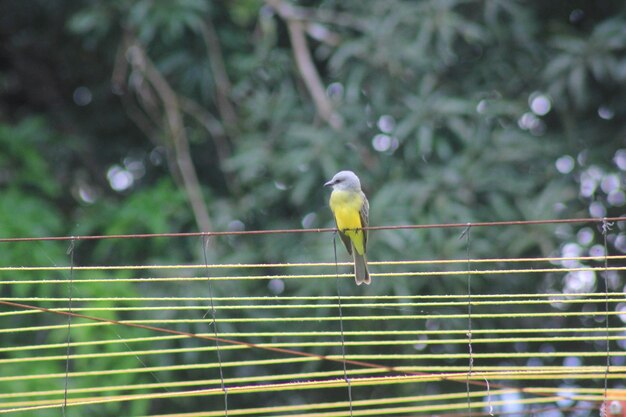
[351,211]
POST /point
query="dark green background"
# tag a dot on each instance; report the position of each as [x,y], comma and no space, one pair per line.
[449,84]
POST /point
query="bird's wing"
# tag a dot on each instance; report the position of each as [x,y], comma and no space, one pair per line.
[346,241]
[365,214]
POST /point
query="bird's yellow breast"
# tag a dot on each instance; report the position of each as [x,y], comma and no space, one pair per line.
[346,206]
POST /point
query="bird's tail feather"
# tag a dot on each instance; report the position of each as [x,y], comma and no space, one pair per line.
[361,274]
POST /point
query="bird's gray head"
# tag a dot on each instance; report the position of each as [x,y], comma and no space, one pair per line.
[345,180]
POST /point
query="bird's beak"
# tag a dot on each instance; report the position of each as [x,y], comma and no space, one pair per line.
[328,183]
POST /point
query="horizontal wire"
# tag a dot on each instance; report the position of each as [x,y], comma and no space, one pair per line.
[369,381]
[410,369]
[369,357]
[270,387]
[342,404]
[320,230]
[186,383]
[120,323]
[306,407]
[154,369]
[322,297]
[389,401]
[347,333]
[379,411]
[438,372]
[387,411]
[318,334]
[138,353]
[240,307]
[481,372]
[378,318]
[449,406]
[294,353]
[377,401]
[486,404]
[316,276]
[123,398]
[300,319]
[308,264]
[493,355]
[253,388]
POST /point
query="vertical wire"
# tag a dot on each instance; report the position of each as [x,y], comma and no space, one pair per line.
[214,322]
[343,343]
[70,253]
[128,348]
[606,226]
[466,234]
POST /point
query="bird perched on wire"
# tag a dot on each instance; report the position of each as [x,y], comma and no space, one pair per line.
[351,211]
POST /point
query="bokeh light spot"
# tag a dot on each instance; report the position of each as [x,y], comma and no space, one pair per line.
[540,104]
[386,123]
[82,96]
[87,194]
[481,107]
[597,209]
[620,159]
[565,164]
[276,286]
[236,226]
[309,220]
[119,178]
[621,308]
[579,282]
[610,183]
[605,112]
[597,251]
[335,91]
[616,198]
[385,143]
[280,185]
[528,121]
[585,236]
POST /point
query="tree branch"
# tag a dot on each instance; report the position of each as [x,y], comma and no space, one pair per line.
[306,66]
[210,123]
[174,123]
[220,76]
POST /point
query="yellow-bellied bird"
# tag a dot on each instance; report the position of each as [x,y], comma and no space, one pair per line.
[351,210]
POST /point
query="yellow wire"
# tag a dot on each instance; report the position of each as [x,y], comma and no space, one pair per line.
[318,276]
[309,264]
[318,306]
[514,299]
[40,358]
[238,390]
[478,374]
[262,388]
[301,319]
[347,305]
[321,297]
[400,368]
[368,357]
[432,373]
[239,335]
[147,369]
[343,404]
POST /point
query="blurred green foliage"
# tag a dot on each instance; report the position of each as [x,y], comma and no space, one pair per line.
[452,111]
